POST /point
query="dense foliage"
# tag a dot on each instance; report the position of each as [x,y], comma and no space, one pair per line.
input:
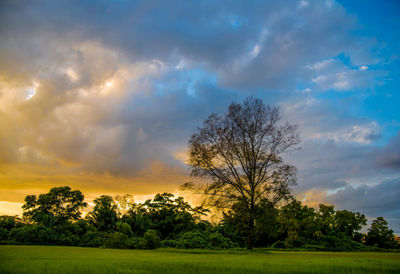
[55,218]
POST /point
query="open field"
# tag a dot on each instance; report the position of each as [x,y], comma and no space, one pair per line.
[55,259]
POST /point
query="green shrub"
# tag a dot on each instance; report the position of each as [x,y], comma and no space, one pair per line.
[218,241]
[3,234]
[152,239]
[279,244]
[33,234]
[93,239]
[132,243]
[313,247]
[117,240]
[9,242]
[124,228]
[68,239]
[167,243]
[199,239]
[142,244]
[193,239]
[333,243]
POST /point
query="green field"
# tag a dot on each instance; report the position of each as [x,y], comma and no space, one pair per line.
[55,259]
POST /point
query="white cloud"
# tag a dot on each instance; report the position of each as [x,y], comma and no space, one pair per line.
[321,65]
[334,74]
[362,133]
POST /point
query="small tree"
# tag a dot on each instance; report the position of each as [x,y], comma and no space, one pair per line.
[379,234]
[57,207]
[104,215]
[241,153]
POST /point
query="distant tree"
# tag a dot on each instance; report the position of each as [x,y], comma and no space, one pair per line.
[347,223]
[104,215]
[234,224]
[379,234]
[168,215]
[326,219]
[124,228]
[152,239]
[59,206]
[298,224]
[9,222]
[241,153]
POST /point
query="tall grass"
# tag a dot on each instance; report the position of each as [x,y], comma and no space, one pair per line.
[56,259]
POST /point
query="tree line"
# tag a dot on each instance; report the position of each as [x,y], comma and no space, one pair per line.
[55,218]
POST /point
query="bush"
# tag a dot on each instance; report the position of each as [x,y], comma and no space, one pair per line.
[193,239]
[137,243]
[332,243]
[313,247]
[152,239]
[3,234]
[68,239]
[199,239]
[218,241]
[93,239]
[132,242]
[9,242]
[142,244]
[124,228]
[279,244]
[117,240]
[32,234]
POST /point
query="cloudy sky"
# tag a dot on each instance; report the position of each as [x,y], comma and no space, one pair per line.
[103,96]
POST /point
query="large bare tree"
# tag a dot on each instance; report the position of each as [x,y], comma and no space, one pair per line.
[241,155]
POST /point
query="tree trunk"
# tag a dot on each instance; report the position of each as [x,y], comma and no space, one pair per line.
[250,234]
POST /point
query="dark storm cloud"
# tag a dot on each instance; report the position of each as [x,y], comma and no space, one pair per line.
[327,165]
[389,156]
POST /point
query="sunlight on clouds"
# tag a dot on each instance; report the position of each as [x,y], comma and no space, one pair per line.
[20,180]
[182,155]
[32,90]
[72,75]
[68,124]
[312,197]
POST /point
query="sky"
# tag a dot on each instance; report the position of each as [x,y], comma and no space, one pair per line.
[104,95]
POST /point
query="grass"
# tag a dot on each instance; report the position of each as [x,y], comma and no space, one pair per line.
[56,259]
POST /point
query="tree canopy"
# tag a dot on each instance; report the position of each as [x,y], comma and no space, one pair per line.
[240,153]
[60,205]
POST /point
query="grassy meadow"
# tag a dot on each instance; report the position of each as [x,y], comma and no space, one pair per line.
[56,259]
